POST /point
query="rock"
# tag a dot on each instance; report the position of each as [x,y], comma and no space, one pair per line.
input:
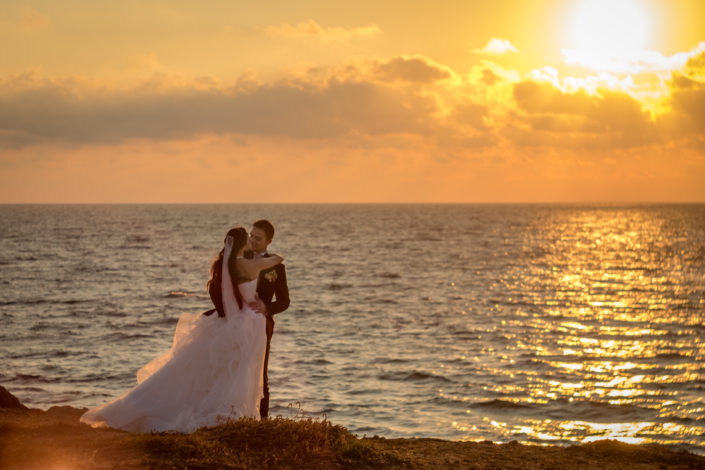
[8,400]
[65,413]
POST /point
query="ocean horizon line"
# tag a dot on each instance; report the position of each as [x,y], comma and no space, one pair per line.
[373,203]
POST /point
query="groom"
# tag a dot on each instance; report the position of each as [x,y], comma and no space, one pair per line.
[272,292]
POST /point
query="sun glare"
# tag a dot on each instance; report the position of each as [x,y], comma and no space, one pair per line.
[608,33]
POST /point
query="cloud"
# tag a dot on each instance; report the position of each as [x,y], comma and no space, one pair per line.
[471,114]
[26,19]
[496,47]
[687,101]
[634,62]
[417,69]
[697,63]
[489,78]
[371,102]
[691,102]
[606,120]
[311,29]
[40,110]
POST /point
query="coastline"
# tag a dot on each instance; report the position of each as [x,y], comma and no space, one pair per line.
[35,439]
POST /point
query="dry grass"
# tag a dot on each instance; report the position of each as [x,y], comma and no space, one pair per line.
[55,440]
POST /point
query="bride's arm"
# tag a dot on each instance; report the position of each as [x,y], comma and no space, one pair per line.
[268,262]
[253,266]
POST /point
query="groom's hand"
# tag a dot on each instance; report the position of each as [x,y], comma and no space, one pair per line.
[258,306]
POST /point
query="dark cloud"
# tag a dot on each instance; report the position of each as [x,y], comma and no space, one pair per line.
[471,114]
[489,78]
[697,62]
[683,83]
[688,104]
[411,70]
[50,111]
[399,97]
[570,119]
[536,98]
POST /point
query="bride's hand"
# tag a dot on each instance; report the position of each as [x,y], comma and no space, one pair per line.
[258,306]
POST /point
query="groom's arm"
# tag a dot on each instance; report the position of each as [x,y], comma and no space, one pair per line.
[281,293]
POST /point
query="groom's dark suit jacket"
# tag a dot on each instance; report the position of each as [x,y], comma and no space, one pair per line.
[273,290]
[271,284]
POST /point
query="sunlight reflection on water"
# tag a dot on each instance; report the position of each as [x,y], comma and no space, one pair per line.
[610,330]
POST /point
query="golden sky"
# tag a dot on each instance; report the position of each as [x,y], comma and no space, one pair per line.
[365,101]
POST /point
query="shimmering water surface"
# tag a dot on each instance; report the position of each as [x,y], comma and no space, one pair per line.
[540,323]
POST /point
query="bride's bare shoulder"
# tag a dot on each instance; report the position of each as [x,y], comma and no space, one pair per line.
[248,269]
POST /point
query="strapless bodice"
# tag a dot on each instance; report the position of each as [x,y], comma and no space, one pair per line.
[248,290]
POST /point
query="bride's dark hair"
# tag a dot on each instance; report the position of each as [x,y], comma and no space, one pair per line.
[239,235]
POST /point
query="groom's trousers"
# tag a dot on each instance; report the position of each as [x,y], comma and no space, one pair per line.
[264,403]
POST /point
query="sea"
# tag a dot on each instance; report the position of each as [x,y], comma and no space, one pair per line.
[540,323]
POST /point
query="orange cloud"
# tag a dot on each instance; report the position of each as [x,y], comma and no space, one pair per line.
[311,29]
[25,20]
[65,111]
[696,63]
[609,119]
[400,96]
[415,69]
[403,129]
[688,108]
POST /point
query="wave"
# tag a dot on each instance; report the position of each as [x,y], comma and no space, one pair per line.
[40,326]
[24,302]
[314,362]
[415,376]
[391,360]
[163,321]
[119,336]
[96,377]
[26,258]
[468,334]
[595,410]
[320,362]
[336,287]
[673,356]
[390,275]
[581,410]
[42,354]
[180,293]
[34,378]
[498,404]
[137,238]
[43,301]
[29,389]
[134,247]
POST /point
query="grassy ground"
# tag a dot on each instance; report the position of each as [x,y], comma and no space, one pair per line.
[55,440]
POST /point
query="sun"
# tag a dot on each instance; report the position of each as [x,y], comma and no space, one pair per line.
[607,33]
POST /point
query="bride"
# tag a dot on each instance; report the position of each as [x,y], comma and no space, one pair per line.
[213,370]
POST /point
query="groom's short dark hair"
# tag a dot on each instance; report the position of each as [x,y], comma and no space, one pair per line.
[266,226]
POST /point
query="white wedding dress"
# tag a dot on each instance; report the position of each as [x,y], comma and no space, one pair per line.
[212,372]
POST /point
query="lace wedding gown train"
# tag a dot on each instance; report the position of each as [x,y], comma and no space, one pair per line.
[212,372]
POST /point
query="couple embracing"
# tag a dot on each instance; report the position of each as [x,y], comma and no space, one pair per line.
[216,368]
